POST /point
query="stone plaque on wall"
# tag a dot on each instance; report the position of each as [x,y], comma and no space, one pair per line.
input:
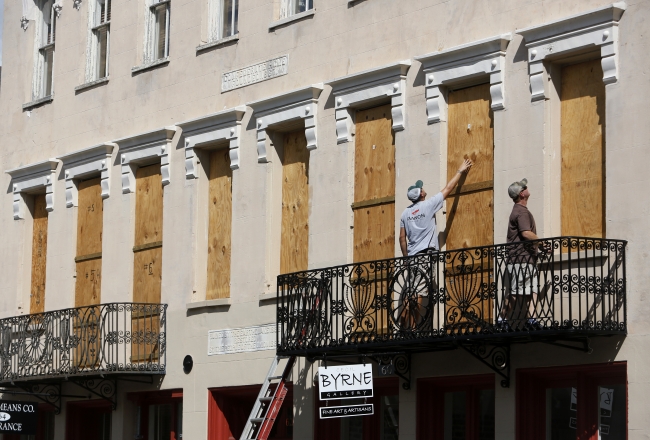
[239,340]
[256,73]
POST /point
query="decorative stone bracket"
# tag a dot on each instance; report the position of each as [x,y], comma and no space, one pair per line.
[563,38]
[31,178]
[365,87]
[463,64]
[144,149]
[222,126]
[291,106]
[86,163]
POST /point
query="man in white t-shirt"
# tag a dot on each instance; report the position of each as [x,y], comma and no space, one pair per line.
[418,222]
[418,226]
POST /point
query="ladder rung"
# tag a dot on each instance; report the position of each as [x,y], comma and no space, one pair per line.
[275,377]
[257,420]
[266,399]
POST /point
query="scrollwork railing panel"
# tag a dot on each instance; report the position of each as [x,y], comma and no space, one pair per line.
[561,284]
[105,338]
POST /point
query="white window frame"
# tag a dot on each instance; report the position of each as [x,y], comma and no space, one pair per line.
[151,45]
[95,27]
[287,7]
[216,11]
[43,44]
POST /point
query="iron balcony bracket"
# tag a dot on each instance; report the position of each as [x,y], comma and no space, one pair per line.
[495,357]
[103,388]
[49,393]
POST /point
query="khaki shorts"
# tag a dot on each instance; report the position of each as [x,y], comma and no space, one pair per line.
[523,278]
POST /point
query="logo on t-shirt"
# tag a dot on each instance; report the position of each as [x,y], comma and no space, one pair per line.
[416,217]
[415,212]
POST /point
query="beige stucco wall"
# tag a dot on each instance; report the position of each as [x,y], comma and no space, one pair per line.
[339,39]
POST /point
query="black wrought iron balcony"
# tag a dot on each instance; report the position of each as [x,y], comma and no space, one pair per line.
[113,338]
[550,290]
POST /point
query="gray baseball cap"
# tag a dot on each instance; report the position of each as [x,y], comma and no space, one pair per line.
[414,191]
[516,187]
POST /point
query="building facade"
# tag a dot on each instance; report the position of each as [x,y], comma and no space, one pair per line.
[169,163]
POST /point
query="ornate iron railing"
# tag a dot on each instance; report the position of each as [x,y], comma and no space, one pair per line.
[121,338]
[550,289]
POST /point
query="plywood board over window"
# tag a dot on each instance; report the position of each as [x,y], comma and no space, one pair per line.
[147,249]
[220,225]
[294,247]
[470,219]
[470,207]
[39,255]
[583,150]
[374,185]
[89,243]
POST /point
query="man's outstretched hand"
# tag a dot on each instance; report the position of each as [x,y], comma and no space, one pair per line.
[466,165]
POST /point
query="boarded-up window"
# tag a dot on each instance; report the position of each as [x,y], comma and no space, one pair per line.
[147,262]
[220,225]
[89,243]
[374,185]
[583,150]
[470,213]
[295,204]
[470,218]
[39,254]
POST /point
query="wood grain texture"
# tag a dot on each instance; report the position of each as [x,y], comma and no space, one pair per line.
[374,155]
[583,150]
[90,217]
[89,242]
[88,283]
[470,215]
[149,205]
[39,255]
[147,276]
[374,178]
[146,347]
[294,241]
[219,226]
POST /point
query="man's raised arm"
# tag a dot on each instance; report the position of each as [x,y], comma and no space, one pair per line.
[466,165]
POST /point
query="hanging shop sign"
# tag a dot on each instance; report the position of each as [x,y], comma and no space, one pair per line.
[345,382]
[18,418]
[331,412]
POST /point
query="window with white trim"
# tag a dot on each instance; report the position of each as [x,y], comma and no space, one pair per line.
[45,36]
[158,47]
[101,38]
[293,7]
[224,15]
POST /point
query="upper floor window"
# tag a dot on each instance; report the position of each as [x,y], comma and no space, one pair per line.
[158,47]
[293,7]
[45,60]
[101,21]
[224,15]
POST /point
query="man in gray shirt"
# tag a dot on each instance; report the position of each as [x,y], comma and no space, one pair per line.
[418,221]
[418,225]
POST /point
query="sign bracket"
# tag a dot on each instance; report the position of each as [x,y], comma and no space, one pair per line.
[103,388]
[49,393]
[495,357]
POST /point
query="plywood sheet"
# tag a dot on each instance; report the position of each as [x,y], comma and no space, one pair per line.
[90,217]
[147,275]
[294,247]
[145,345]
[149,205]
[470,216]
[583,150]
[88,283]
[220,225]
[374,169]
[374,233]
[39,255]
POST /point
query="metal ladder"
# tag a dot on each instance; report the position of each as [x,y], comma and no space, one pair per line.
[269,401]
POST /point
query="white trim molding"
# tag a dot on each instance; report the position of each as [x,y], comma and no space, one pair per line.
[221,126]
[291,106]
[31,178]
[88,162]
[461,64]
[145,149]
[562,38]
[365,87]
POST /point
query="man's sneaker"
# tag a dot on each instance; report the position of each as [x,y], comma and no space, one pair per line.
[532,324]
[502,325]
